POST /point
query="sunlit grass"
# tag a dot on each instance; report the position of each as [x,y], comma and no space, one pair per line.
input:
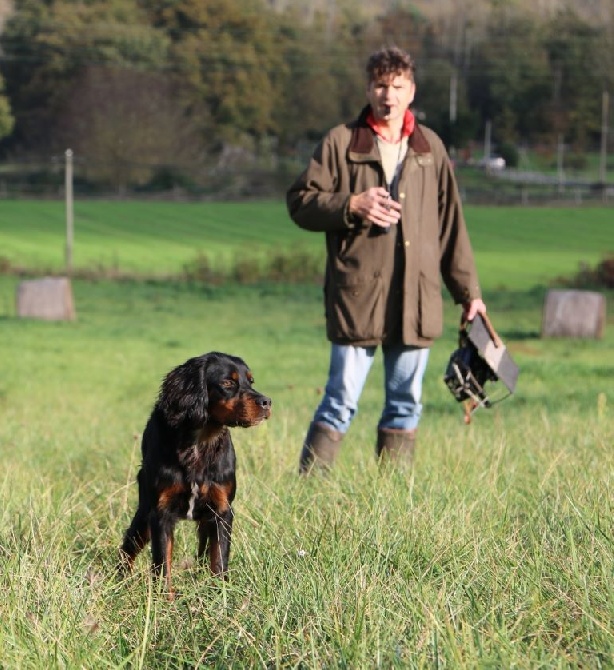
[516,248]
[496,552]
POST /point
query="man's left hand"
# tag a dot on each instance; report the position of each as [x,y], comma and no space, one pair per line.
[473,308]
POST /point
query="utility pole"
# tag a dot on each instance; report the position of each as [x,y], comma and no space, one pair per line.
[453,96]
[69,211]
[603,162]
[453,110]
[487,141]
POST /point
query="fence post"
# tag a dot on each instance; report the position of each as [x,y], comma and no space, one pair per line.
[560,148]
[69,212]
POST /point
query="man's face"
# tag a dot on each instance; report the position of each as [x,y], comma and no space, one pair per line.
[390,95]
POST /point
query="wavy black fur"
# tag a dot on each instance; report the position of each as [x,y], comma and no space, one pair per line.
[189,463]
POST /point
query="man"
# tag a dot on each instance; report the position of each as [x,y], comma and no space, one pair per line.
[383,190]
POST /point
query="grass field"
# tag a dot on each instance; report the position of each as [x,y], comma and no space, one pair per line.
[162,238]
[497,552]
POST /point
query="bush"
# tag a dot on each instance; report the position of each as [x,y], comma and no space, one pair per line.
[510,153]
[292,267]
[169,178]
[200,270]
[601,276]
[577,161]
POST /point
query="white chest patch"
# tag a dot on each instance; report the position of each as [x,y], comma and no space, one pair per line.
[192,502]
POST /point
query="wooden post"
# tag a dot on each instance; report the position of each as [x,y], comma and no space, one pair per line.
[69,212]
[560,148]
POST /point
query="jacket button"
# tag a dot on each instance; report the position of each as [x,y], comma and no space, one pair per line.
[407,243]
[401,196]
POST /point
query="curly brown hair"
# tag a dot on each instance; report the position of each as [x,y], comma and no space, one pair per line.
[390,61]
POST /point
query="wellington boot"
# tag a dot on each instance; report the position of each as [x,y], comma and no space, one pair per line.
[396,447]
[320,448]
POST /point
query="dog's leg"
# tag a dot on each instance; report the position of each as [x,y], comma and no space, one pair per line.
[137,535]
[214,539]
[162,548]
[203,539]
[135,538]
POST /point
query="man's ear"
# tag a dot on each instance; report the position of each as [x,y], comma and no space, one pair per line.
[183,395]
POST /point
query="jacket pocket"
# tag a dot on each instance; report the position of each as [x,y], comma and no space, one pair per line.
[354,307]
[430,308]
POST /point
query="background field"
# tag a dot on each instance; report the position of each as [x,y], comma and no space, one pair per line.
[517,248]
[497,552]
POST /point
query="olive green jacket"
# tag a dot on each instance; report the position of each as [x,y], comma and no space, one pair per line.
[386,287]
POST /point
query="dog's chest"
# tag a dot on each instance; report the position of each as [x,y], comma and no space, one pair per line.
[194,500]
[196,495]
[195,460]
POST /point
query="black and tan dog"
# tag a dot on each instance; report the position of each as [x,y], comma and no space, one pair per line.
[188,469]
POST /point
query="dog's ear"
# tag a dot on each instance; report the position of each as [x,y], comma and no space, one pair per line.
[183,395]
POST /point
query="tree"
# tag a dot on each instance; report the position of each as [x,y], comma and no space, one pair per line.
[127,123]
[236,72]
[7,121]
[48,44]
[310,100]
[510,80]
[573,48]
[227,52]
[324,82]
[433,101]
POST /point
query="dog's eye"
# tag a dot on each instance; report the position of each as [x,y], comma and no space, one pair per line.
[228,383]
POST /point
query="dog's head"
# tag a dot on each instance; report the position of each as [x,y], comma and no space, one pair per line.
[214,387]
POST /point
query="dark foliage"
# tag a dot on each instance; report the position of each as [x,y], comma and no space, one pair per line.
[149,92]
[599,277]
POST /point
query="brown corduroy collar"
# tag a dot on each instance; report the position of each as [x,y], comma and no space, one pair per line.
[362,141]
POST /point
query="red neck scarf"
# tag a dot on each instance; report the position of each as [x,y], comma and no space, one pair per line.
[409,122]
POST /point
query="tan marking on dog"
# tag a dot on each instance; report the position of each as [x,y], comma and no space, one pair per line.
[166,495]
[219,494]
[168,560]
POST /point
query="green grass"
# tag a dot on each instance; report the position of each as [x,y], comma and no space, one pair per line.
[497,552]
[156,238]
[161,238]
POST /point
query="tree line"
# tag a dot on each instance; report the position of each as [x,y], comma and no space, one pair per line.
[138,83]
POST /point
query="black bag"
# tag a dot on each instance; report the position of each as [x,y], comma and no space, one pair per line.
[481,357]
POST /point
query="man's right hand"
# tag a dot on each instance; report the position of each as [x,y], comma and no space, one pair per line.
[376,206]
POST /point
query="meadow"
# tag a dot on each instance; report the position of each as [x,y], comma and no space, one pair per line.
[496,552]
[162,238]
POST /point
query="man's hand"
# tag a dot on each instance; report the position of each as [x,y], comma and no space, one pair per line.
[376,206]
[472,309]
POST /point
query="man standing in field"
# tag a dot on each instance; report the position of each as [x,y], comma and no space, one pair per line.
[383,190]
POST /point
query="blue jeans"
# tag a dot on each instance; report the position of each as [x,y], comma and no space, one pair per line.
[404,368]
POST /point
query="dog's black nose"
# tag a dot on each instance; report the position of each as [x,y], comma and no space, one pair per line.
[264,402]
